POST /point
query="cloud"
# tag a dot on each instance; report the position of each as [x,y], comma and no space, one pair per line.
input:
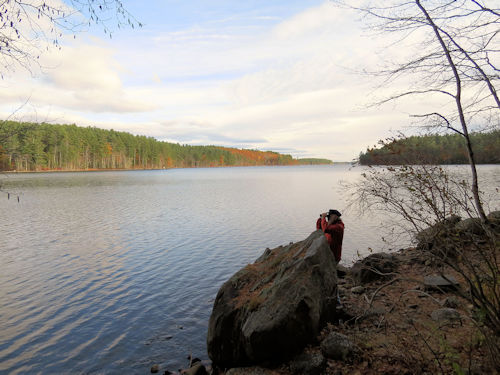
[79,77]
[83,67]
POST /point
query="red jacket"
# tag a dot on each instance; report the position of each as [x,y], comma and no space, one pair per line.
[334,234]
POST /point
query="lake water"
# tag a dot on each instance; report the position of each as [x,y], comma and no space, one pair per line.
[111,272]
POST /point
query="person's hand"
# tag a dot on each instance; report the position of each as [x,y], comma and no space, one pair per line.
[323,215]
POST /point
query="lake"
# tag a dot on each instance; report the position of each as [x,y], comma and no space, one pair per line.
[105,272]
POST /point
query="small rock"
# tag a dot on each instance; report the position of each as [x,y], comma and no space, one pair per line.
[196,369]
[193,360]
[451,302]
[341,270]
[358,289]
[494,218]
[155,369]
[373,267]
[445,315]
[375,311]
[438,282]
[308,363]
[470,226]
[339,347]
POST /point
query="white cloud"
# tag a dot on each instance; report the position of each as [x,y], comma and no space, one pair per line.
[83,67]
[79,77]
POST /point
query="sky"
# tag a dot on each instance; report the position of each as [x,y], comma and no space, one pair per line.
[281,76]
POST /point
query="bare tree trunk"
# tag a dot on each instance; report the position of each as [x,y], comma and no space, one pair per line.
[458,101]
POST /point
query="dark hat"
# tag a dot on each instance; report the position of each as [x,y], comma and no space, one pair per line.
[334,212]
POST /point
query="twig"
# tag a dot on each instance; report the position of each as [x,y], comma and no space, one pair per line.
[370,302]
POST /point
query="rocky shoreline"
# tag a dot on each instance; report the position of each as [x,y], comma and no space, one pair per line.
[399,313]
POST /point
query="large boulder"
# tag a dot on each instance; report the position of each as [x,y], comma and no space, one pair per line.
[269,310]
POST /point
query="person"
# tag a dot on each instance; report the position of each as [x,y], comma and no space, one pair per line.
[333,227]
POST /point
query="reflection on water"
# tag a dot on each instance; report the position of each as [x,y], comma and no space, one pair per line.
[112,271]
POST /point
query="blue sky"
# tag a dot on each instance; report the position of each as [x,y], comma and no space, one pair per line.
[264,75]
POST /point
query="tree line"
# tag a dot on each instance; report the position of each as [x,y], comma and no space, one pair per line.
[26,146]
[434,149]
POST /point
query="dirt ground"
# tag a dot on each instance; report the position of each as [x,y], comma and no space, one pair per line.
[390,322]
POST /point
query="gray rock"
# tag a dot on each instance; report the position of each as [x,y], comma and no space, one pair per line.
[272,308]
[249,371]
[341,270]
[358,289]
[308,363]
[440,282]
[451,302]
[445,315]
[338,346]
[196,369]
[373,267]
[470,226]
[436,238]
[437,229]
[494,216]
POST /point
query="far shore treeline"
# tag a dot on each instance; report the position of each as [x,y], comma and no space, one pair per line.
[28,146]
[435,149]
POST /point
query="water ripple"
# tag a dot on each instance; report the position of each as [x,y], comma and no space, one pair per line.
[113,271]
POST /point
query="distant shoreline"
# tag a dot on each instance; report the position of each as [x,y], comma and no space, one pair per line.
[161,169]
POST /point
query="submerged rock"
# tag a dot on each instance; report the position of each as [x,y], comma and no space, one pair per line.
[269,310]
